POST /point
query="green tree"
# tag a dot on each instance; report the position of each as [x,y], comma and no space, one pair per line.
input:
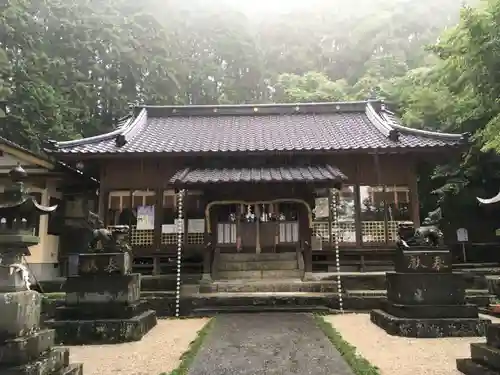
[310,87]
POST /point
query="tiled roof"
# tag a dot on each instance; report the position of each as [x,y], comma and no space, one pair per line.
[20,148]
[280,174]
[247,128]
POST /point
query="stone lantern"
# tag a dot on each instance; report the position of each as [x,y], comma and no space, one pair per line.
[24,347]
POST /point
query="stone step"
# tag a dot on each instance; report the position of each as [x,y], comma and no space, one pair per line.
[267,274]
[493,336]
[216,310]
[485,354]
[296,299]
[367,292]
[270,285]
[468,367]
[254,257]
[258,265]
[474,297]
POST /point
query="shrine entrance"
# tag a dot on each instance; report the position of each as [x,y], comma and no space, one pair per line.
[259,227]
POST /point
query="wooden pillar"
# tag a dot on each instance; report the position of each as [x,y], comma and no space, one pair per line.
[357,217]
[185,218]
[305,231]
[207,256]
[103,205]
[414,201]
[380,182]
[158,219]
[330,221]
[257,228]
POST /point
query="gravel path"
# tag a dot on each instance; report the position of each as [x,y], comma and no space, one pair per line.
[159,351]
[270,344]
[402,356]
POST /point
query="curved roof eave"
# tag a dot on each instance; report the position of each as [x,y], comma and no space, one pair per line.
[128,127]
[386,114]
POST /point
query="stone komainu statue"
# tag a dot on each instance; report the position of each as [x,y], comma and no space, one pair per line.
[428,234]
[103,239]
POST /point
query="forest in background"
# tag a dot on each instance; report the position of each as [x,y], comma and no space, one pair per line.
[70,68]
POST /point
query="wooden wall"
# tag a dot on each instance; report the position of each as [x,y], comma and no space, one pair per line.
[156,172]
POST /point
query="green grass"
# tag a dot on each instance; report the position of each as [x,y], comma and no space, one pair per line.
[188,356]
[358,364]
[56,295]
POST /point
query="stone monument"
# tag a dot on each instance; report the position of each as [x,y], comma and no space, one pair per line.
[25,348]
[485,357]
[424,297]
[102,303]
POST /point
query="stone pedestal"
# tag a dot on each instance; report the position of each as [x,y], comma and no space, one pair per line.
[425,299]
[25,349]
[102,302]
[485,358]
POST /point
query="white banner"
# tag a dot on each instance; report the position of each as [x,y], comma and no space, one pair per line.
[145,218]
[196,226]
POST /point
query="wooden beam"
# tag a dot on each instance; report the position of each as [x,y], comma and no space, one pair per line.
[27,157]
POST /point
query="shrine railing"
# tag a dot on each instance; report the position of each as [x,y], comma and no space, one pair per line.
[371,231]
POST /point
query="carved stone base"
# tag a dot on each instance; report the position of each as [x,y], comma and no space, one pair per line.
[15,352]
[485,358]
[53,362]
[431,311]
[469,367]
[103,289]
[429,328]
[428,260]
[103,331]
[19,313]
[425,288]
[91,311]
[99,264]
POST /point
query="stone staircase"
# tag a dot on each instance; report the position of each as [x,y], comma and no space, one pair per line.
[250,266]
[265,282]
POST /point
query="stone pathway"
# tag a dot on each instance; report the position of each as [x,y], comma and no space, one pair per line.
[267,344]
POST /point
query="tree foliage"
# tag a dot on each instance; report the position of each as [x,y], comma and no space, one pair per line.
[71,68]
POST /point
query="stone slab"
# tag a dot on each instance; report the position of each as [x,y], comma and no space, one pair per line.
[468,367]
[429,328]
[487,355]
[493,335]
[19,241]
[427,261]
[19,313]
[103,331]
[266,274]
[431,311]
[103,289]
[99,264]
[86,311]
[25,349]
[255,257]
[425,288]
[52,362]
[258,265]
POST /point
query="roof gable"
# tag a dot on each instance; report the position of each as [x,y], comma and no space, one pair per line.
[260,128]
[24,156]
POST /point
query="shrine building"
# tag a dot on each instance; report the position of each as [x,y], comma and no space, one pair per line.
[306,179]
